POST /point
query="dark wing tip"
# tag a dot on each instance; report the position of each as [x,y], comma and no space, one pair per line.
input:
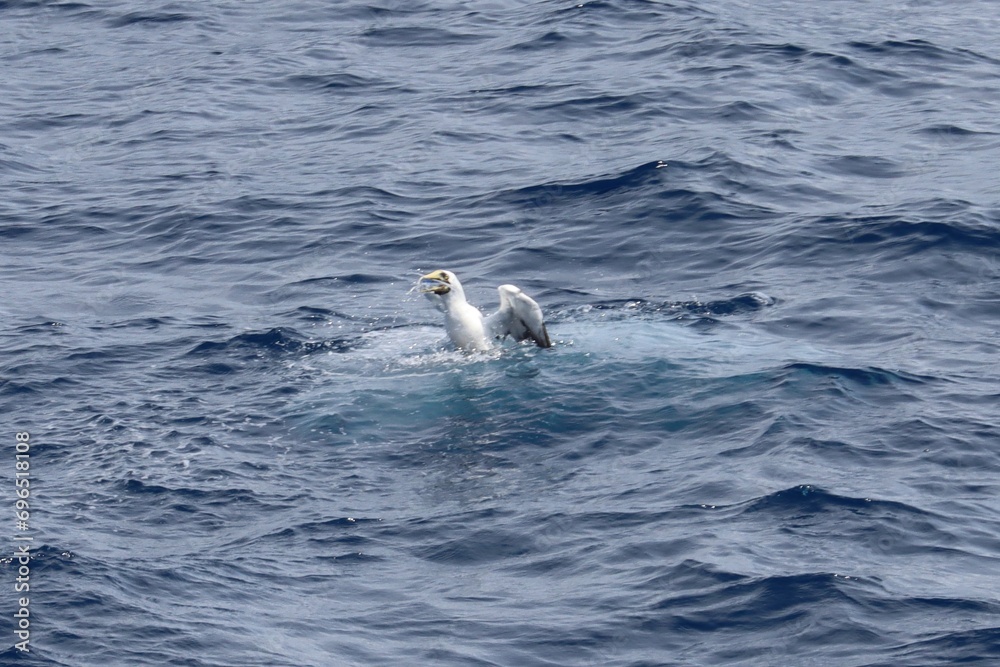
[543,340]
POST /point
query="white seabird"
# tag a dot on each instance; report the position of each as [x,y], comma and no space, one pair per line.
[518,317]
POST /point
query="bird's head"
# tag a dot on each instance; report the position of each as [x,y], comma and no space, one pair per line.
[439,282]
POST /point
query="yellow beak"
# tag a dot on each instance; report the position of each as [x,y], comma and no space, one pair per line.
[435,282]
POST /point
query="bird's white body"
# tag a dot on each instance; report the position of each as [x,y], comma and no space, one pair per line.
[466,326]
[518,317]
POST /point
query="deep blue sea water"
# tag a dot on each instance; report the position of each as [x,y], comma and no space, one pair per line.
[766,238]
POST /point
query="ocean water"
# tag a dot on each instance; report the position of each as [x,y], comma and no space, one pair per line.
[767,242]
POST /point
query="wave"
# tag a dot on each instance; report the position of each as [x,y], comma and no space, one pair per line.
[804,500]
[133,18]
[864,377]
[280,340]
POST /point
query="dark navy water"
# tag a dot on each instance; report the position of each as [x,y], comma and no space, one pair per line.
[767,242]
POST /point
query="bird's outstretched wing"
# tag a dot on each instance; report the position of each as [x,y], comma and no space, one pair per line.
[519,317]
